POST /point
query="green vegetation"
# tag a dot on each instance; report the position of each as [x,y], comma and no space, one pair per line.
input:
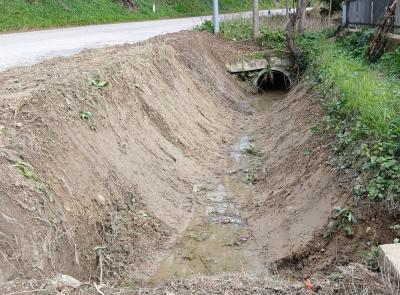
[29,172]
[241,30]
[251,150]
[363,110]
[371,258]
[396,230]
[271,32]
[250,177]
[22,14]
[390,62]
[341,219]
[87,117]
[97,82]
[26,170]
[357,44]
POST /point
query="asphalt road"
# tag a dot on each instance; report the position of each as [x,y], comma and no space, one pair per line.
[26,48]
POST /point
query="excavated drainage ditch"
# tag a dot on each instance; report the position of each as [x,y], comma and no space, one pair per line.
[218,238]
[121,175]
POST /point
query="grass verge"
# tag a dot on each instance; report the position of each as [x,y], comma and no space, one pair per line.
[16,15]
[363,110]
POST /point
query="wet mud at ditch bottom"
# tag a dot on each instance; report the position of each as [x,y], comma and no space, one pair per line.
[218,238]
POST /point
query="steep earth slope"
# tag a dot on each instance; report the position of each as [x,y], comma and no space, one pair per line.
[112,166]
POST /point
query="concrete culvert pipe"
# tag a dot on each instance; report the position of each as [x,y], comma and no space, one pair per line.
[272,79]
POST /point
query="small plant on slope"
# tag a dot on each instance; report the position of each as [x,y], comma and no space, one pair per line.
[251,150]
[342,218]
[370,258]
[29,172]
[396,230]
[86,116]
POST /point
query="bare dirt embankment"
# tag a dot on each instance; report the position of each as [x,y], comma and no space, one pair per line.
[105,183]
[121,178]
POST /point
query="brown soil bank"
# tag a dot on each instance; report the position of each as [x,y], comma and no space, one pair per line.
[113,167]
[97,182]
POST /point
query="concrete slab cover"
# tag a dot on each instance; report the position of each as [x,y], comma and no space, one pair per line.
[247,65]
[258,64]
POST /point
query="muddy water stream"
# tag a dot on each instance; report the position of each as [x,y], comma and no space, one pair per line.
[218,238]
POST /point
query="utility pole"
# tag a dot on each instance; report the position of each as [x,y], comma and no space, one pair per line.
[256,20]
[215,16]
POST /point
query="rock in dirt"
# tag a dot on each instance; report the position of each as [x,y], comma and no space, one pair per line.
[62,281]
[101,199]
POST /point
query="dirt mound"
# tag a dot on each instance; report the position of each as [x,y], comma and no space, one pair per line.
[90,172]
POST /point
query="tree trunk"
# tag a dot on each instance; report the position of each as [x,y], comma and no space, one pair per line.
[380,37]
[290,31]
[256,20]
[130,4]
[287,9]
[300,5]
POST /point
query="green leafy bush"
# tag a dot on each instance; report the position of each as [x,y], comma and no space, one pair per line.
[357,43]
[370,258]
[207,26]
[341,219]
[390,62]
[273,39]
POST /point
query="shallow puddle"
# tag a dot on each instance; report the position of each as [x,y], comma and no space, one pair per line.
[217,240]
[263,102]
[239,148]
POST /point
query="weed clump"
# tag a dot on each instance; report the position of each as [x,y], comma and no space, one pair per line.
[250,177]
[370,258]
[87,117]
[251,150]
[341,219]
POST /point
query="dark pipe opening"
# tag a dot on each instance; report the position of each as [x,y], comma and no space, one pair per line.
[274,80]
